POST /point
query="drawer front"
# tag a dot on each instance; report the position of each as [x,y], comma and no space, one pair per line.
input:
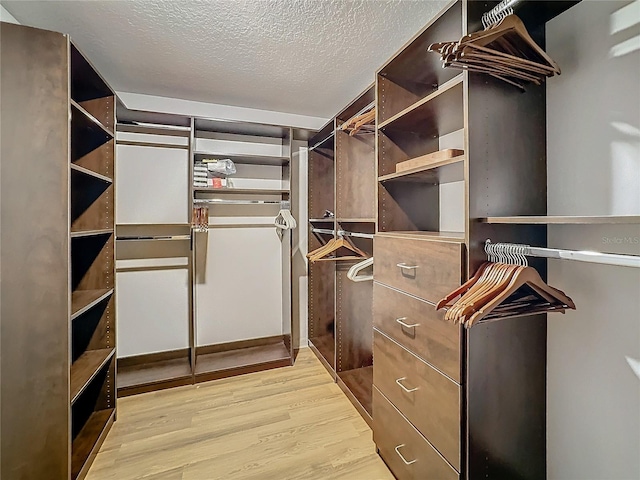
[426,269]
[428,399]
[417,326]
[406,452]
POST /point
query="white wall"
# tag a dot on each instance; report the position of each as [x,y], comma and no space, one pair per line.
[5,16]
[593,420]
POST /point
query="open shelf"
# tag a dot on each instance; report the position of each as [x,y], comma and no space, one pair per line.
[91,173]
[84,300]
[141,377]
[86,119]
[565,220]
[443,171]
[243,191]
[210,366]
[437,114]
[359,381]
[441,236]
[154,129]
[87,443]
[356,220]
[244,159]
[85,368]
[321,220]
[91,233]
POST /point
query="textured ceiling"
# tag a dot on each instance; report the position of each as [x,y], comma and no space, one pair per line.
[309,57]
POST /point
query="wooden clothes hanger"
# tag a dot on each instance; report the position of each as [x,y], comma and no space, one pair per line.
[333,245]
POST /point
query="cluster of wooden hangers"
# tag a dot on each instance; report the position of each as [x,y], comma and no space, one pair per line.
[505,51]
[320,254]
[495,286]
[363,121]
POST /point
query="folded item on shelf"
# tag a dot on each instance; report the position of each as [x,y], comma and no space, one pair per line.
[221,167]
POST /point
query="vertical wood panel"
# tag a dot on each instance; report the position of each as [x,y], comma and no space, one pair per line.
[34,251]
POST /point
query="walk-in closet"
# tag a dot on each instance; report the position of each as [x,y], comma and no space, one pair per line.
[320,240]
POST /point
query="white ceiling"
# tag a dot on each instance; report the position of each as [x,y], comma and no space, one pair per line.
[309,57]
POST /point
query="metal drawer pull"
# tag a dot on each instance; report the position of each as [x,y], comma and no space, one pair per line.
[397,449]
[404,266]
[408,390]
[401,322]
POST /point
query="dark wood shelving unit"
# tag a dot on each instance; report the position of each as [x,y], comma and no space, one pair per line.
[58,335]
[86,367]
[342,179]
[245,159]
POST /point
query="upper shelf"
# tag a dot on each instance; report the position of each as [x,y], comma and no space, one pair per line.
[438,113]
[565,220]
[241,128]
[245,159]
[444,171]
[241,191]
[424,235]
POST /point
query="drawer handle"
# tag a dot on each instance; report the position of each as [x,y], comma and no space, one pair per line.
[397,449]
[404,266]
[401,322]
[408,390]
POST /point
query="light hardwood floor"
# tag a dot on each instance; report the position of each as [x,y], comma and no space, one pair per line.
[288,423]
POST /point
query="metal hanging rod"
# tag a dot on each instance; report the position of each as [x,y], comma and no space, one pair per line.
[497,13]
[221,201]
[145,238]
[343,233]
[323,230]
[507,250]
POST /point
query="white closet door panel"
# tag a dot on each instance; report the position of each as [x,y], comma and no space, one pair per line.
[238,284]
[153,185]
[152,311]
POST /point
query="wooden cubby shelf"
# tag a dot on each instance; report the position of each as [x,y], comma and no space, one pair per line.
[444,171]
[243,191]
[439,113]
[321,220]
[83,300]
[85,369]
[88,441]
[87,120]
[565,220]
[245,159]
[90,173]
[356,220]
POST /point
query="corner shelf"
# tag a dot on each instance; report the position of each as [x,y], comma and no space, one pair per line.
[85,368]
[83,300]
[440,236]
[443,171]
[565,220]
[245,159]
[442,111]
[90,173]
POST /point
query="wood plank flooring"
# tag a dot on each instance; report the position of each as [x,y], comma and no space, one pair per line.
[287,423]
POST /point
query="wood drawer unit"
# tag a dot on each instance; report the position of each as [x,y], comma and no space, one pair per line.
[406,452]
[428,399]
[416,325]
[428,269]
